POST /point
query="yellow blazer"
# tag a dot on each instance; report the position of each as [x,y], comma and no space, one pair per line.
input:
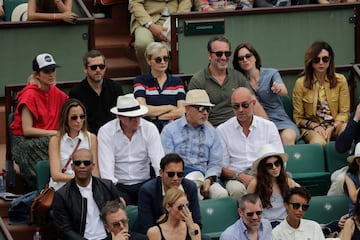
[305,100]
[144,11]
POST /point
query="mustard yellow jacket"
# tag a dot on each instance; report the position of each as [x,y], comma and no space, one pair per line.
[305,100]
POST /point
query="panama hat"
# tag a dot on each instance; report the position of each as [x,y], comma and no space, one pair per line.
[351,158]
[197,97]
[128,106]
[268,150]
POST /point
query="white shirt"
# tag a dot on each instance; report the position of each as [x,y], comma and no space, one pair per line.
[67,146]
[127,161]
[239,150]
[307,230]
[94,228]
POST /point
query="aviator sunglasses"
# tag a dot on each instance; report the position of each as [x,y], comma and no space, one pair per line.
[325,59]
[245,105]
[270,165]
[122,221]
[220,53]
[94,67]
[79,162]
[250,214]
[160,59]
[296,206]
[172,174]
[248,55]
[75,117]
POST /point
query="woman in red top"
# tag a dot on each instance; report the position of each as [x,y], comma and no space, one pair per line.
[36,117]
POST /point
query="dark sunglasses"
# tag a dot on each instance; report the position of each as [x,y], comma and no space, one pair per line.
[79,162]
[159,59]
[248,55]
[270,165]
[250,214]
[94,67]
[296,206]
[172,174]
[243,105]
[75,117]
[49,70]
[220,53]
[201,108]
[325,59]
[181,206]
[117,224]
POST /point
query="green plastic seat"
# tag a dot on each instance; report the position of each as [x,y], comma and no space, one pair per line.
[131,212]
[307,165]
[217,215]
[325,209]
[42,169]
[334,159]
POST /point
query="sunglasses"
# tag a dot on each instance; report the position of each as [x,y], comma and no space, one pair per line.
[201,108]
[243,105]
[79,162]
[75,117]
[220,53]
[250,214]
[248,55]
[122,221]
[181,206]
[94,67]
[325,59]
[160,59]
[275,164]
[172,174]
[296,206]
[49,70]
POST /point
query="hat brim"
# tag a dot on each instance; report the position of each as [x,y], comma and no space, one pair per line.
[350,159]
[49,67]
[199,104]
[136,113]
[284,157]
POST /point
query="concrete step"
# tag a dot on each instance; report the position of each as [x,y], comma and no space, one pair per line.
[121,67]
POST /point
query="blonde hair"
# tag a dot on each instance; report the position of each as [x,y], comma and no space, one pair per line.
[34,80]
[171,196]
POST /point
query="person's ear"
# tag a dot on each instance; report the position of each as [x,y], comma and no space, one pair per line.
[240,212]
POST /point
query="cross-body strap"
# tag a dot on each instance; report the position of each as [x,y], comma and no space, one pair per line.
[70,158]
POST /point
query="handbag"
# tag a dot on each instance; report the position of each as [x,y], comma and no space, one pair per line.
[42,203]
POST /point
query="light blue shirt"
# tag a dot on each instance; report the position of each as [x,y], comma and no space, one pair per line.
[200,148]
[238,231]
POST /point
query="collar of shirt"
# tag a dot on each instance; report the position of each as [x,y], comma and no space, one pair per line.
[243,228]
[81,136]
[85,190]
[290,229]
[254,123]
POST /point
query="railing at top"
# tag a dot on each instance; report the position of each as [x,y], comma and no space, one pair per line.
[280,35]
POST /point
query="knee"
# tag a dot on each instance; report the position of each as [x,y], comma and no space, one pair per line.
[217,191]
[288,136]
[236,189]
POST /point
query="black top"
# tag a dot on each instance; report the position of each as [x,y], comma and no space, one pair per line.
[97,106]
[163,238]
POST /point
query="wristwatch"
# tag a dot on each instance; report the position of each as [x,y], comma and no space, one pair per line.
[148,24]
[194,233]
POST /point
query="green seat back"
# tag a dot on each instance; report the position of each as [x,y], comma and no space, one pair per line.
[15,10]
[131,212]
[334,159]
[42,169]
[287,106]
[325,209]
[217,215]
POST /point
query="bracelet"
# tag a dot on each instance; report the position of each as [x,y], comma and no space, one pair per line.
[316,127]
[308,123]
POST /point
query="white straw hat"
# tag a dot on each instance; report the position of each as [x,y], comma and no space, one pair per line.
[128,106]
[266,151]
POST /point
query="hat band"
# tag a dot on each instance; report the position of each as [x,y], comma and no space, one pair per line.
[128,109]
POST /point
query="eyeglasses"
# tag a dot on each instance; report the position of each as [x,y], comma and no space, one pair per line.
[270,165]
[248,55]
[94,67]
[47,71]
[117,224]
[220,53]
[172,174]
[75,117]
[296,206]
[181,206]
[325,59]
[159,59]
[245,105]
[79,162]
[250,214]
[201,108]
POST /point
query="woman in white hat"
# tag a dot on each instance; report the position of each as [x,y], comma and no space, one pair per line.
[271,183]
[161,92]
[352,179]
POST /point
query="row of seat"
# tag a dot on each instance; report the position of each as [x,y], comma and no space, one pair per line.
[311,165]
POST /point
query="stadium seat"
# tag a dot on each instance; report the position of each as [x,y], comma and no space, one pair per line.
[325,209]
[217,215]
[307,165]
[15,10]
[42,169]
[131,212]
[334,159]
